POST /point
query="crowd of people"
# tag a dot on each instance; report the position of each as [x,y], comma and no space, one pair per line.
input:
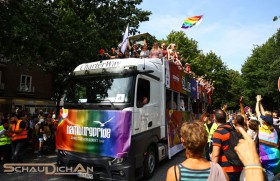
[206,141]
[143,51]
[169,52]
[20,130]
[257,147]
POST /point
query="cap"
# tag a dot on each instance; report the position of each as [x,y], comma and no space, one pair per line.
[101,51]
[267,119]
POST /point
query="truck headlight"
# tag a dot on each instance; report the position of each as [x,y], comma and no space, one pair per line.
[117,161]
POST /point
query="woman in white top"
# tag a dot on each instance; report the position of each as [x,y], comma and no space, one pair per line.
[144,51]
[172,55]
[253,129]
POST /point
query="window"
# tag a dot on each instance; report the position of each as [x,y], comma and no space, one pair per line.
[114,89]
[143,92]
[25,83]
[172,99]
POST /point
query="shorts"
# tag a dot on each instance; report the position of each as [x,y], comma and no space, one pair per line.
[41,140]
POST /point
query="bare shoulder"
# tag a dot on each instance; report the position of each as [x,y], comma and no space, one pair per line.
[171,175]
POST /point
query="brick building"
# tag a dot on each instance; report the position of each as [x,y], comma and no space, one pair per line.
[29,89]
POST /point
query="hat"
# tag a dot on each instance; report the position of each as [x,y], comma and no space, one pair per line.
[101,51]
[267,119]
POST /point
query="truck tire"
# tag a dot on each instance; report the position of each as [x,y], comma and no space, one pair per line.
[150,163]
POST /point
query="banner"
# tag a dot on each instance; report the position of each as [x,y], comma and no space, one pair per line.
[184,78]
[175,77]
[175,119]
[193,88]
[105,133]
[167,74]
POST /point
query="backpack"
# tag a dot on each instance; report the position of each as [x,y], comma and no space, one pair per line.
[230,153]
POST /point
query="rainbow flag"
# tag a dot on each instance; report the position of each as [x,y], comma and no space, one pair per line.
[269,152]
[190,22]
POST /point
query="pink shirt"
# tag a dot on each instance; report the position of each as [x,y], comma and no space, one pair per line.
[155,53]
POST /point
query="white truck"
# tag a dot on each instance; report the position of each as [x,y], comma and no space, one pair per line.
[104,122]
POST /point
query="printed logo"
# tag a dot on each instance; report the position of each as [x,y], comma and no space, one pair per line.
[103,124]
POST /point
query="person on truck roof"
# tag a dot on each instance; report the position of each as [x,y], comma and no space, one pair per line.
[172,54]
[164,50]
[155,51]
[144,51]
[103,55]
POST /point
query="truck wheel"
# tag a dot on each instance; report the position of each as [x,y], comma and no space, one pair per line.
[150,163]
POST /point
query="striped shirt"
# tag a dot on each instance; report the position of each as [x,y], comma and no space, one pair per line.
[192,174]
[221,138]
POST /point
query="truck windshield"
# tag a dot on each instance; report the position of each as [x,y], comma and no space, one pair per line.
[99,90]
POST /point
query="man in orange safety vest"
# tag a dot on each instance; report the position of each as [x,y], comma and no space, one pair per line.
[19,137]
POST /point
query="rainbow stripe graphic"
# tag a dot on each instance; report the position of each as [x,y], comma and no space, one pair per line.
[269,152]
[105,133]
[190,22]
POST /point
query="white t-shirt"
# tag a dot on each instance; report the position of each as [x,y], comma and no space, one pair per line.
[144,53]
[253,134]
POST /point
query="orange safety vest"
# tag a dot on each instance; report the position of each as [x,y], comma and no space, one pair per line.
[18,136]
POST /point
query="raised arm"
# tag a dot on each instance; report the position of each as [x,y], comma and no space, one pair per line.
[224,108]
[241,106]
[258,113]
[242,110]
[261,108]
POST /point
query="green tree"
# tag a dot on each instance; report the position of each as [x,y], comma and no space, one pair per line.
[59,35]
[260,73]
[188,48]
[211,67]
[275,18]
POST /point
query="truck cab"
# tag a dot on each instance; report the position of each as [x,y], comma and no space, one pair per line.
[121,117]
[104,123]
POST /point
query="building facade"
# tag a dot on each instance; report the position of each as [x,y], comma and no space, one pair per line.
[28,89]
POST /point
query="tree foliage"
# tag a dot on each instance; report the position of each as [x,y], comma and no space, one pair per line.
[261,71]
[59,35]
[188,48]
[210,67]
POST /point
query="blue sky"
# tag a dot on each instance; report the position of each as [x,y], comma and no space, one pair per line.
[230,28]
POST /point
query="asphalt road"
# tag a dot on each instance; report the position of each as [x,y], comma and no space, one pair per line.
[30,157]
[161,170]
